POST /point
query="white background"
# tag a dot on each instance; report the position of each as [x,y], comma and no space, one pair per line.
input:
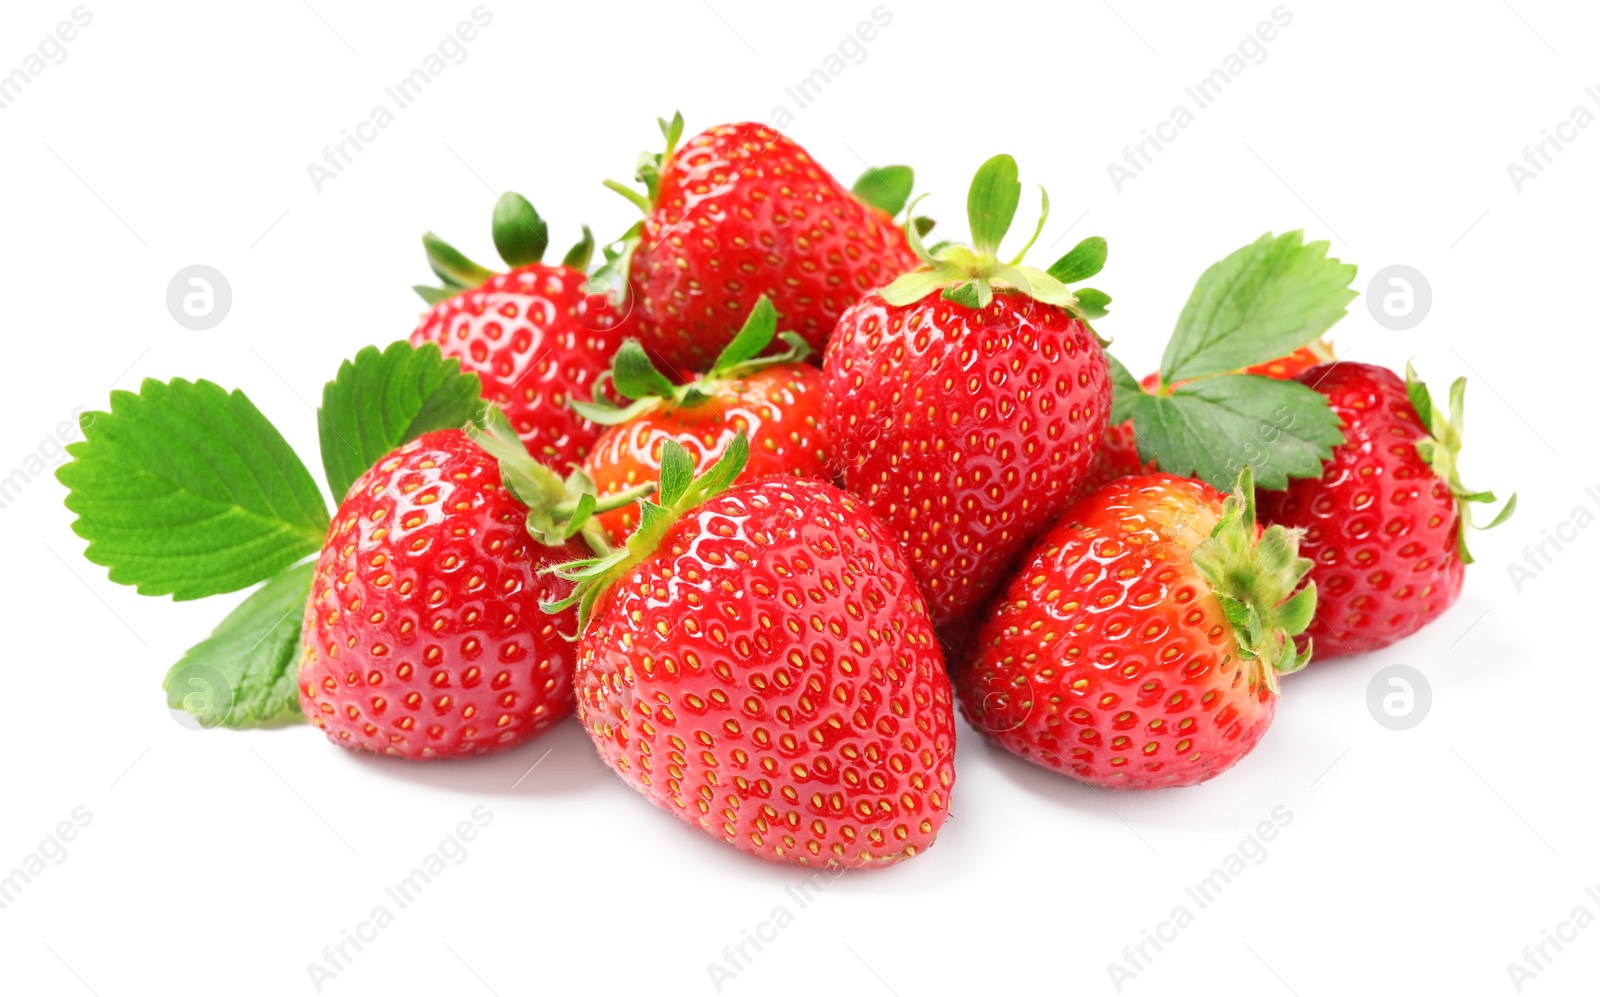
[1420,861]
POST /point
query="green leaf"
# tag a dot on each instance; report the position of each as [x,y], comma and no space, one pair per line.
[185,489]
[972,293]
[1261,302]
[1081,262]
[1092,303]
[434,295]
[918,284]
[992,203]
[579,255]
[1125,391]
[886,188]
[677,473]
[450,265]
[520,235]
[755,336]
[380,400]
[245,674]
[1213,428]
[635,376]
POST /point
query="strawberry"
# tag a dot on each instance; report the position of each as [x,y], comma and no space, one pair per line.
[537,336]
[758,661]
[740,211]
[965,419]
[423,637]
[776,401]
[1386,523]
[1119,454]
[1140,643]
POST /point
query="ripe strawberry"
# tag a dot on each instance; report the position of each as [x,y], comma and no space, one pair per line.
[1140,643]
[741,211]
[537,336]
[1386,523]
[759,662]
[776,401]
[1119,454]
[423,637]
[966,419]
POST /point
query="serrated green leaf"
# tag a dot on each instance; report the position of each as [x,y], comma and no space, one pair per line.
[380,400]
[1211,429]
[886,188]
[185,489]
[1261,302]
[1125,391]
[1081,262]
[245,673]
[520,235]
[992,202]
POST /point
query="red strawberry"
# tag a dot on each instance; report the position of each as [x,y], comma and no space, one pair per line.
[776,401]
[423,636]
[1386,523]
[1140,643]
[966,419]
[1119,455]
[741,211]
[537,337]
[760,663]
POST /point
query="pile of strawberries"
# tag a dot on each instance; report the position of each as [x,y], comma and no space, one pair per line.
[771,489]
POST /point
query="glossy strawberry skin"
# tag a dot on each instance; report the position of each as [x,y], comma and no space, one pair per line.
[1119,456]
[423,637]
[1379,525]
[778,407]
[742,210]
[770,676]
[1109,657]
[536,339]
[966,431]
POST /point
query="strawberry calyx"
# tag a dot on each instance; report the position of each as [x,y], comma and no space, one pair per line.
[558,508]
[680,491]
[1255,580]
[972,275]
[635,376]
[520,237]
[1442,452]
